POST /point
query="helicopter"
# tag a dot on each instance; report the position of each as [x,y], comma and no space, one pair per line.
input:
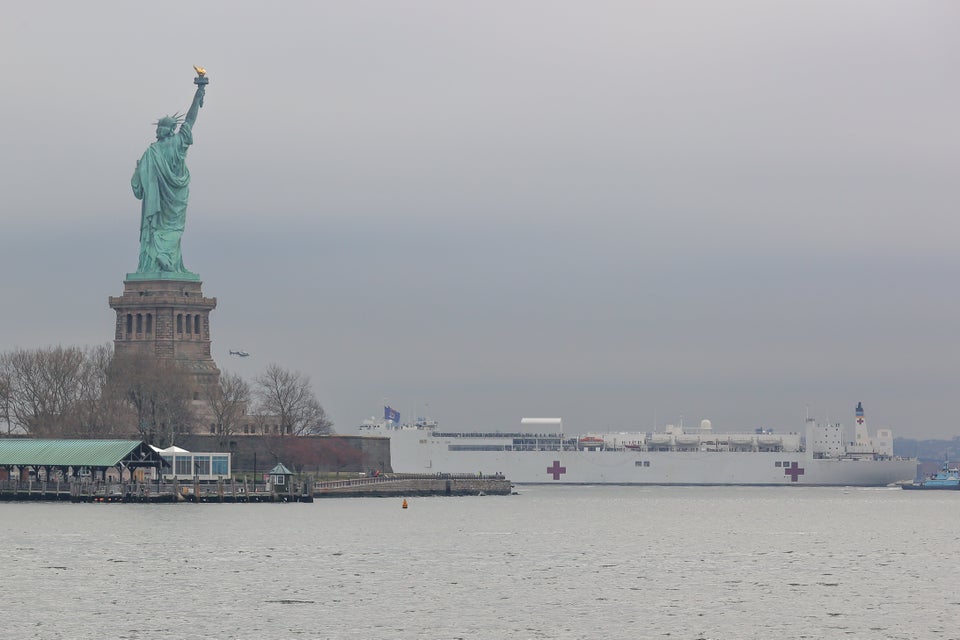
[242,354]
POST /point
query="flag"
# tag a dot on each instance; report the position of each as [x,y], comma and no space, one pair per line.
[391,414]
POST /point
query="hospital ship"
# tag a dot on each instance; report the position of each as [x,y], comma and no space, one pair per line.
[539,452]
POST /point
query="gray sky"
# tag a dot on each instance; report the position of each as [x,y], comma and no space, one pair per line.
[616,213]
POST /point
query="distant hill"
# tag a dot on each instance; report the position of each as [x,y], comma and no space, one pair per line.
[928,450]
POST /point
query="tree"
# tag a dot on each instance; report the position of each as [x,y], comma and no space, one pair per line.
[100,411]
[260,423]
[288,396]
[69,392]
[157,390]
[228,403]
[44,386]
[6,391]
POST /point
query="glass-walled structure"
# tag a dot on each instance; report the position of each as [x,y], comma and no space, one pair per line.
[186,465]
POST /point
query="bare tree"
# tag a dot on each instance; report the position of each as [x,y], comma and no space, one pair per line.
[157,392]
[6,393]
[228,402]
[258,422]
[100,411]
[288,396]
[44,386]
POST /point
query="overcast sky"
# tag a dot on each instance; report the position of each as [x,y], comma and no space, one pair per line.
[616,213]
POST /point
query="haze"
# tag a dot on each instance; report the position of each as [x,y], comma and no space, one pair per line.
[617,213]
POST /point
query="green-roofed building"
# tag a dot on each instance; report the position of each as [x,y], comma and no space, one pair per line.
[76,457]
[280,476]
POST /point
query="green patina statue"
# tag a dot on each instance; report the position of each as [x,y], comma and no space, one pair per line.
[162,182]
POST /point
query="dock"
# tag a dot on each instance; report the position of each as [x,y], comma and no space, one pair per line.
[147,492]
[383,486]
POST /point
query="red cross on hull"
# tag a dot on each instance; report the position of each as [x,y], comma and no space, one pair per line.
[556,470]
[794,471]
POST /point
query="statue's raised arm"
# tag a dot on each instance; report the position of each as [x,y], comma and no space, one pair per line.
[201,81]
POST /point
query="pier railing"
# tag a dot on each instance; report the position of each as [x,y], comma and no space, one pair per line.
[188,490]
[230,490]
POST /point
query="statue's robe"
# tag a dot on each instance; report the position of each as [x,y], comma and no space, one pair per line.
[162,181]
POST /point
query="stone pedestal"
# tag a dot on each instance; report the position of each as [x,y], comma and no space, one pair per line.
[167,318]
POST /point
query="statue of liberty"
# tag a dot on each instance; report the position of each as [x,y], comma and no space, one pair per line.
[162,182]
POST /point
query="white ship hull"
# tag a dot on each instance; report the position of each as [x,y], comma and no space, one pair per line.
[421,451]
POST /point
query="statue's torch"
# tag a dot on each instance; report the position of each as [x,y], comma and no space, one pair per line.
[201,80]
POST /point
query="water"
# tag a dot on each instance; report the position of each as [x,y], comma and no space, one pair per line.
[552,562]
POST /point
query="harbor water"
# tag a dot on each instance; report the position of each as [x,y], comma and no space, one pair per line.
[551,562]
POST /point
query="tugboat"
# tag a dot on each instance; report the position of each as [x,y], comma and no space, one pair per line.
[948,478]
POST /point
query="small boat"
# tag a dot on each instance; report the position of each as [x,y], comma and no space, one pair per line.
[946,479]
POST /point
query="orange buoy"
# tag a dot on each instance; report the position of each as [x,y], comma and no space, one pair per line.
[404,503]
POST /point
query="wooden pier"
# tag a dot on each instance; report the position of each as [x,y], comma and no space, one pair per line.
[150,492]
[389,485]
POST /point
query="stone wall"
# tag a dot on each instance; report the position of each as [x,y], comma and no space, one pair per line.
[307,454]
[421,487]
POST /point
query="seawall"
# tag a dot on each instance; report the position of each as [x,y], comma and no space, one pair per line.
[414,486]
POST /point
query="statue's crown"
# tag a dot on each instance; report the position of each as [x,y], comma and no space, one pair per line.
[170,121]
